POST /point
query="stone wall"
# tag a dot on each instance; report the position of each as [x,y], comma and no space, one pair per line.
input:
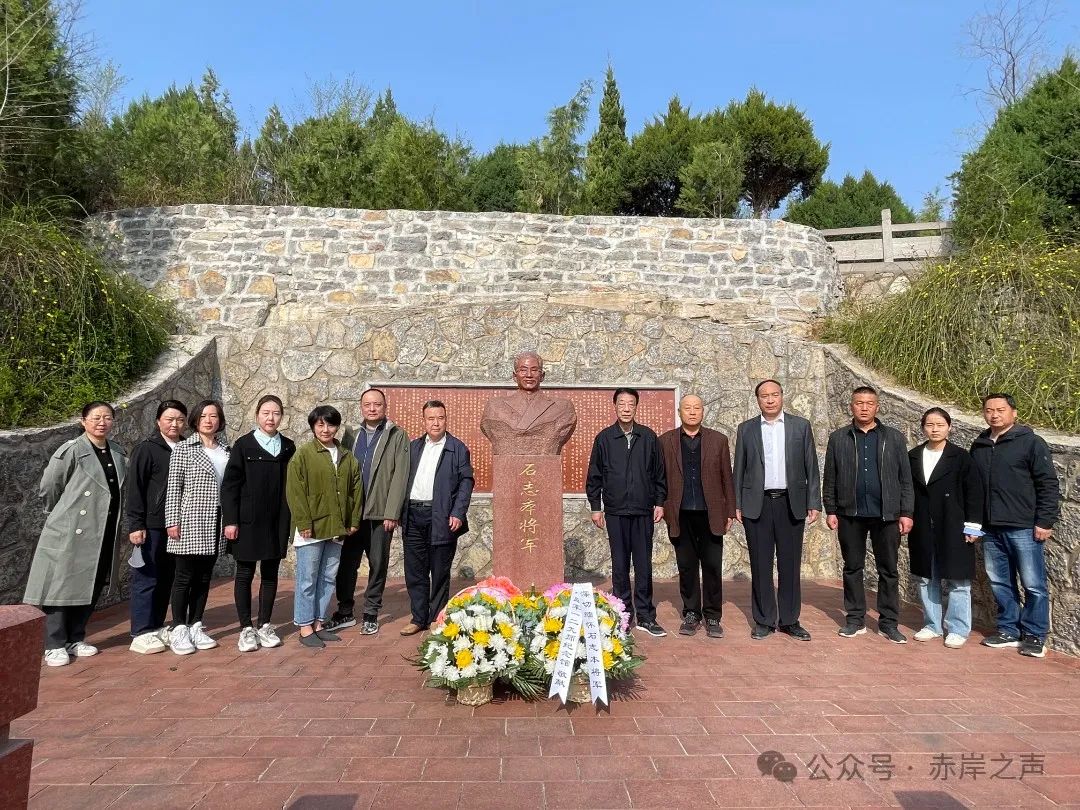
[332,360]
[868,281]
[188,372]
[238,267]
[903,408]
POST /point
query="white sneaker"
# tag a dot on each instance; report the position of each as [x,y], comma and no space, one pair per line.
[80,649]
[180,640]
[200,638]
[249,642]
[954,641]
[926,634]
[268,636]
[147,644]
[163,634]
[57,658]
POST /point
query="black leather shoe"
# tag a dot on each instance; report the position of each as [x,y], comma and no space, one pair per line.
[760,631]
[796,631]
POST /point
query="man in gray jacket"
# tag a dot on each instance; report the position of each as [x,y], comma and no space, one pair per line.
[382,448]
[777,490]
[867,489]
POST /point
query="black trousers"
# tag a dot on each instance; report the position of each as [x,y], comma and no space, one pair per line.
[191,587]
[245,575]
[66,624]
[699,554]
[427,567]
[885,540]
[775,534]
[372,539]
[151,584]
[631,540]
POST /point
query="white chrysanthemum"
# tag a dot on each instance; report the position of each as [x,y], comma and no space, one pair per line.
[500,660]
[438,668]
[579,653]
[537,643]
[479,651]
[502,618]
[452,673]
[469,671]
[549,666]
[558,611]
[485,666]
[485,623]
[607,646]
[497,642]
[458,617]
[462,643]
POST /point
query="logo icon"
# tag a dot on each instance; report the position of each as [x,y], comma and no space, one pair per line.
[773,763]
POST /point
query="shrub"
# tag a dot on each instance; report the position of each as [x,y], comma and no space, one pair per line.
[72,329]
[998,318]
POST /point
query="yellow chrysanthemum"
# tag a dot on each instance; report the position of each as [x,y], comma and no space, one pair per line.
[552,649]
[552,625]
[519,651]
[607,624]
[616,646]
[609,660]
[463,658]
[481,637]
[451,630]
[506,630]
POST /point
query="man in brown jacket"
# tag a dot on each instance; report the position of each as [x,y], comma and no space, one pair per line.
[699,510]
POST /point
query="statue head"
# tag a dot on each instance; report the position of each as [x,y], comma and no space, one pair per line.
[528,371]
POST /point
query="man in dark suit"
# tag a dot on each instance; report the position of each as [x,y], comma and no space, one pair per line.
[699,510]
[777,490]
[435,515]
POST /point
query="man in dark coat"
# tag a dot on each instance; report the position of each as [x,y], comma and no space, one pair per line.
[1022,495]
[699,511]
[435,516]
[948,522]
[626,486]
[866,490]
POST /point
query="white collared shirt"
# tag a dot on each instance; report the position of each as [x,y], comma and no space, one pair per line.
[930,459]
[772,440]
[423,487]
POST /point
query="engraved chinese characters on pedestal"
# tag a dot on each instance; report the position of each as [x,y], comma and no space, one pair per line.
[527,430]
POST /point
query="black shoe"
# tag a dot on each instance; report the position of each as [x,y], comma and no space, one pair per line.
[690,623]
[313,641]
[891,632]
[796,631]
[652,628]
[713,628]
[370,626]
[760,631]
[339,623]
[1001,640]
[850,630]
[327,635]
[1033,647]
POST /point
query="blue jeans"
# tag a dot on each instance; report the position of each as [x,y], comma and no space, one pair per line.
[958,611]
[1009,552]
[316,573]
[151,584]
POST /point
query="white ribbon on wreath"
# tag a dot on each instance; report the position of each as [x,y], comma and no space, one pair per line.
[581,612]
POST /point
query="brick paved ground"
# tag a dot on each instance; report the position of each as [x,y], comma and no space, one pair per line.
[350,726]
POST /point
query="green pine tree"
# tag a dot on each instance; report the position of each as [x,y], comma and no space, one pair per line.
[604,191]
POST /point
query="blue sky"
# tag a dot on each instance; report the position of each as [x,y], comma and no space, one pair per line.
[886,83]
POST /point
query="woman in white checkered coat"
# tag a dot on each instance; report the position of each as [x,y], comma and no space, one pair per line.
[193,523]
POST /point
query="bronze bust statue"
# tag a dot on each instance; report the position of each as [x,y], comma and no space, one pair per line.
[528,422]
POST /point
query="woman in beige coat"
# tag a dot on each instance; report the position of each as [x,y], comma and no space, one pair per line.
[78,553]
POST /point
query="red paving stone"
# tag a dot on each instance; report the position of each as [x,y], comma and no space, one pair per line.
[352,727]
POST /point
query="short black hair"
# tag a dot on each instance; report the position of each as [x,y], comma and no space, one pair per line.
[170,404]
[631,391]
[757,387]
[864,389]
[97,403]
[269,398]
[324,413]
[1009,398]
[432,403]
[197,412]
[944,414]
[377,391]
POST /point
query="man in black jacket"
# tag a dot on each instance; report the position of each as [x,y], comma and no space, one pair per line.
[626,486]
[1021,508]
[867,489]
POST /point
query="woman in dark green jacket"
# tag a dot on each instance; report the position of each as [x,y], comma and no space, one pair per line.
[326,498]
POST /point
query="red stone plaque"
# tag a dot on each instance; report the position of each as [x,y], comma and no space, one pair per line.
[528,539]
[465,406]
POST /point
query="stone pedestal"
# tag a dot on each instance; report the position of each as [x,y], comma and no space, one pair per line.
[527,535]
[22,641]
